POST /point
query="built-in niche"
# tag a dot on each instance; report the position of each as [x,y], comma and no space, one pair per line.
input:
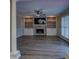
[51,22]
[28,22]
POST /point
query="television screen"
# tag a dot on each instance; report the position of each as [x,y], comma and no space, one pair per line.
[39,20]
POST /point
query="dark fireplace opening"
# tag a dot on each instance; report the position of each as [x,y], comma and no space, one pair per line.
[40,31]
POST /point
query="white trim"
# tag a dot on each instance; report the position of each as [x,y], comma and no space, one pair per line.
[15,56]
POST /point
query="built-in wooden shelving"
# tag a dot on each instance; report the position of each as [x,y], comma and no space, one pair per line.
[28,22]
[51,22]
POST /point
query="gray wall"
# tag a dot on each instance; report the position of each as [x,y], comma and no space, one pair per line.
[19,26]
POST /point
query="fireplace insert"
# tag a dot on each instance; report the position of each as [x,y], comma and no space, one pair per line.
[39,31]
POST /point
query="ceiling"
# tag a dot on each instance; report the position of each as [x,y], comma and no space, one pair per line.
[49,7]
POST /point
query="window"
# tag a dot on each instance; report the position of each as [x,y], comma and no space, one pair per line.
[65,26]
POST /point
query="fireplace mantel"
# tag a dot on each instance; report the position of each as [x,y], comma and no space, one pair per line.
[39,25]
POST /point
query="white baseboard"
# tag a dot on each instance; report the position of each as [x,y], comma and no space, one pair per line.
[15,56]
[19,36]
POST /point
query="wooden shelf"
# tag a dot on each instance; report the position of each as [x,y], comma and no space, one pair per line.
[28,22]
[51,22]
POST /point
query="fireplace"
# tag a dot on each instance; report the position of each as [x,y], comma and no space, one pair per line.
[39,31]
[39,26]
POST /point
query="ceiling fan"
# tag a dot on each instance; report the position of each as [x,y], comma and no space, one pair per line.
[39,12]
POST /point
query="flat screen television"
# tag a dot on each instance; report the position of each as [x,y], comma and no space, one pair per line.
[39,20]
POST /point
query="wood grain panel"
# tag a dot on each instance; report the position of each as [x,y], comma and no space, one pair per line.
[51,22]
[28,22]
[42,47]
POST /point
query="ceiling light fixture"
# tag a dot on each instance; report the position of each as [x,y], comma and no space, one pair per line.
[39,12]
